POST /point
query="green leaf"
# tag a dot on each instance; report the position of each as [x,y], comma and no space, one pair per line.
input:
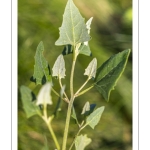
[90,71]
[29,105]
[108,74]
[74,116]
[82,141]
[44,96]
[85,50]
[88,109]
[59,67]
[73,29]
[41,68]
[93,119]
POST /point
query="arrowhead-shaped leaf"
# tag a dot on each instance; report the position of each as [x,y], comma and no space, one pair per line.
[29,105]
[93,119]
[59,67]
[88,109]
[44,96]
[108,74]
[73,29]
[82,141]
[91,69]
[41,68]
[85,49]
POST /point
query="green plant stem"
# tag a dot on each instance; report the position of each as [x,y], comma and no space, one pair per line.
[53,136]
[64,91]
[67,124]
[48,123]
[84,91]
[59,95]
[70,104]
[82,86]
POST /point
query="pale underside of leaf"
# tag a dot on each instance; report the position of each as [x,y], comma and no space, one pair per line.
[81,142]
[73,29]
[109,73]
[91,69]
[59,67]
[44,96]
[86,108]
[93,119]
[41,67]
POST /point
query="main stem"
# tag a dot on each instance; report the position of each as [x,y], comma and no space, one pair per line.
[69,105]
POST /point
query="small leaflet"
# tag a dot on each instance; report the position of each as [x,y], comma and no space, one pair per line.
[59,67]
[81,142]
[86,108]
[93,119]
[91,69]
[44,96]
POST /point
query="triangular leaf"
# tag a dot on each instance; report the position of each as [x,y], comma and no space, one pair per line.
[93,119]
[73,29]
[44,96]
[59,67]
[85,49]
[109,73]
[29,105]
[91,69]
[82,141]
[86,108]
[41,68]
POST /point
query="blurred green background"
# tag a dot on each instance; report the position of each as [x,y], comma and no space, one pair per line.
[111,32]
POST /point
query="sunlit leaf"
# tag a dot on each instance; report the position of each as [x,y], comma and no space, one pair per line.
[41,68]
[91,69]
[93,119]
[73,29]
[81,142]
[108,74]
[59,67]
[86,108]
[29,105]
[44,96]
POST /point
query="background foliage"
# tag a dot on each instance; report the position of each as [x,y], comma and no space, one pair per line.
[111,32]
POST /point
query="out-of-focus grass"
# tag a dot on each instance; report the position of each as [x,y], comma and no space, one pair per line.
[111,32]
